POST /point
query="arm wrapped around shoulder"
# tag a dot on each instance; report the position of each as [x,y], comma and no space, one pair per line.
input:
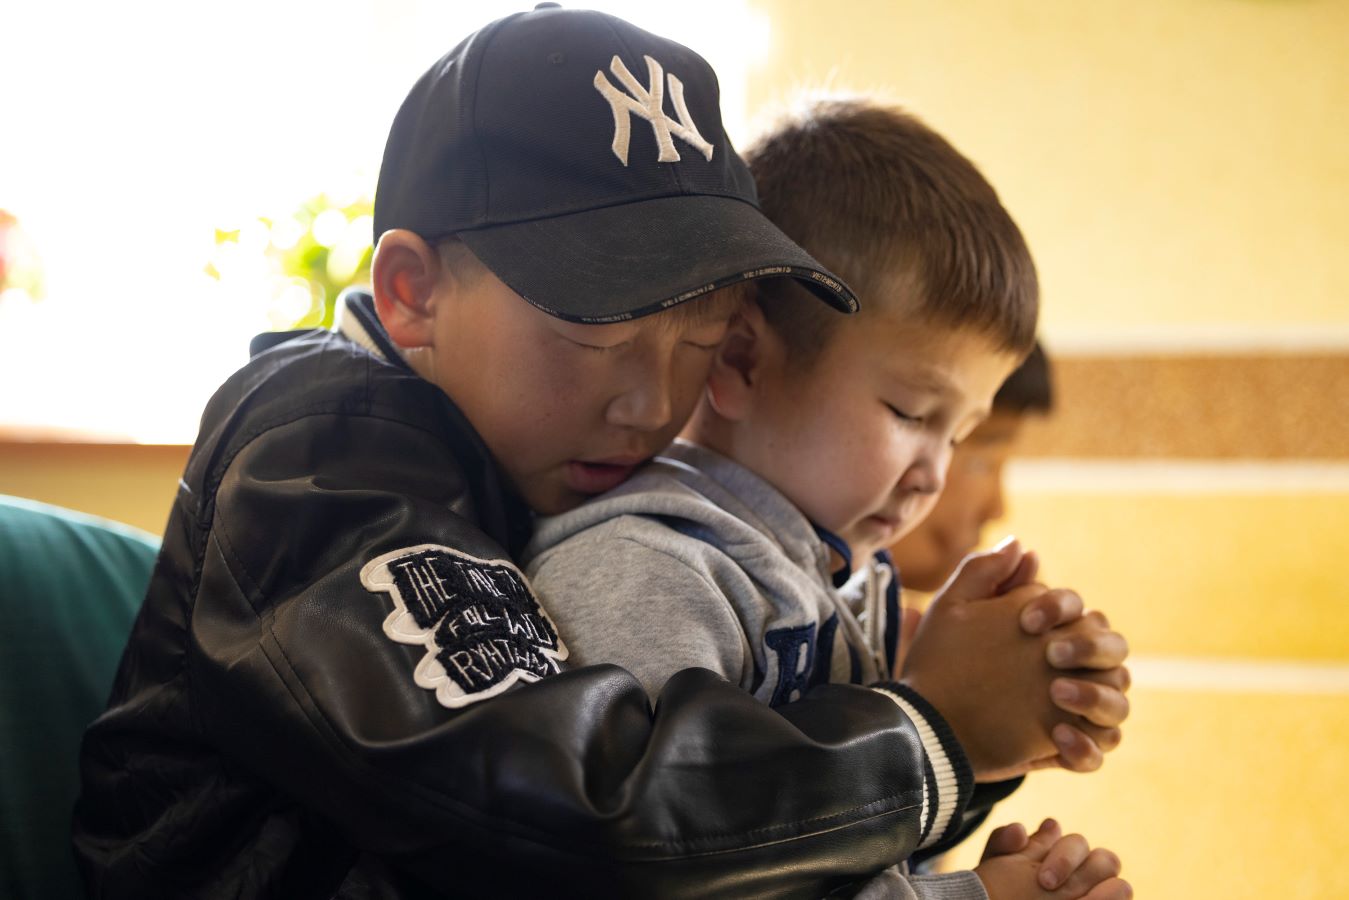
[281,713]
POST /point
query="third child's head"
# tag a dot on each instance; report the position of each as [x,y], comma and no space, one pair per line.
[564,232]
[853,419]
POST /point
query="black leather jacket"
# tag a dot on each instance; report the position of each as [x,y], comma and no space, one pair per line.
[265,738]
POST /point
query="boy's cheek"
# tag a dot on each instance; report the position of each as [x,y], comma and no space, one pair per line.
[546,494]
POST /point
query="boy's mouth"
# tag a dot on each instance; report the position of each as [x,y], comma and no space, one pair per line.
[888,525]
[598,477]
[890,522]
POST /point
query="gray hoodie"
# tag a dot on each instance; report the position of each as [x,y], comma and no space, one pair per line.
[721,571]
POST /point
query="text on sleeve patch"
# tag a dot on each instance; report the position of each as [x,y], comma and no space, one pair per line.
[481,625]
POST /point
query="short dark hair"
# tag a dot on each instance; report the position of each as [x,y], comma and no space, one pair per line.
[1029,389]
[890,206]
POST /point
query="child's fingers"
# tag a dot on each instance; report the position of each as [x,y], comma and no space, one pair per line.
[1099,704]
[1105,739]
[1092,876]
[1087,648]
[1005,840]
[1038,845]
[1062,860]
[1077,752]
[980,574]
[1024,574]
[1051,609]
[1118,678]
[1082,747]
[1098,618]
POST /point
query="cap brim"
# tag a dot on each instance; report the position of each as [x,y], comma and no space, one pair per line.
[621,262]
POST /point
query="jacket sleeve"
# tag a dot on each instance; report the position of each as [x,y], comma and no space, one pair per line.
[572,779]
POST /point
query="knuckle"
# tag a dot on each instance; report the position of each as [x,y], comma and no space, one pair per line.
[1107,649]
[1081,629]
[1070,600]
[1120,678]
[1088,696]
[1106,706]
[1072,848]
[1038,604]
[1103,682]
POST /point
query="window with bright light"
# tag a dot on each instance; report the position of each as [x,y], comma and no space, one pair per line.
[177,177]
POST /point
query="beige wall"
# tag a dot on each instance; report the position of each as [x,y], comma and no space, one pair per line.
[130,483]
[1172,162]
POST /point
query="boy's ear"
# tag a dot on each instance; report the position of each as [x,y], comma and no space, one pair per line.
[738,365]
[404,274]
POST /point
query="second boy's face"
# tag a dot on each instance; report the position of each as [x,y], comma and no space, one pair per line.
[865,436]
[972,497]
[570,410]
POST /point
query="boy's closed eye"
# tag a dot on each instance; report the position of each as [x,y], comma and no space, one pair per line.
[704,346]
[602,348]
[707,335]
[600,338]
[903,416]
[968,427]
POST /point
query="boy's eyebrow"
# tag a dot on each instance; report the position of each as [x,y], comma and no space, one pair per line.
[924,377]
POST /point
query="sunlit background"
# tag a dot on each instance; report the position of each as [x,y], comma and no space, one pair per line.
[177,177]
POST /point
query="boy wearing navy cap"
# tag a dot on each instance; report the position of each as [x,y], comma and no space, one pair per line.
[299,709]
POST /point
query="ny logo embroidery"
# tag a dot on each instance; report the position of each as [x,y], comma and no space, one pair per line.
[648,104]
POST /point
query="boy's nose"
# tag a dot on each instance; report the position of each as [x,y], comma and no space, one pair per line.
[927,474]
[644,405]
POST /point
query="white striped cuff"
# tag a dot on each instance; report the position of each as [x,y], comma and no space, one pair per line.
[944,775]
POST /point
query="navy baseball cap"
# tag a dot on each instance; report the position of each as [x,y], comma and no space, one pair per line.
[583,160]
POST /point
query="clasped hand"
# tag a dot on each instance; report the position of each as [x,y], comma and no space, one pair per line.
[1023,676]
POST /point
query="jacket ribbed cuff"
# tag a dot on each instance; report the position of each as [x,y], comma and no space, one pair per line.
[948,780]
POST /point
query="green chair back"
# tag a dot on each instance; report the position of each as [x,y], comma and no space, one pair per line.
[70,585]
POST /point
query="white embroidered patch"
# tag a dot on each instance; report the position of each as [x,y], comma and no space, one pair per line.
[481,625]
[649,104]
